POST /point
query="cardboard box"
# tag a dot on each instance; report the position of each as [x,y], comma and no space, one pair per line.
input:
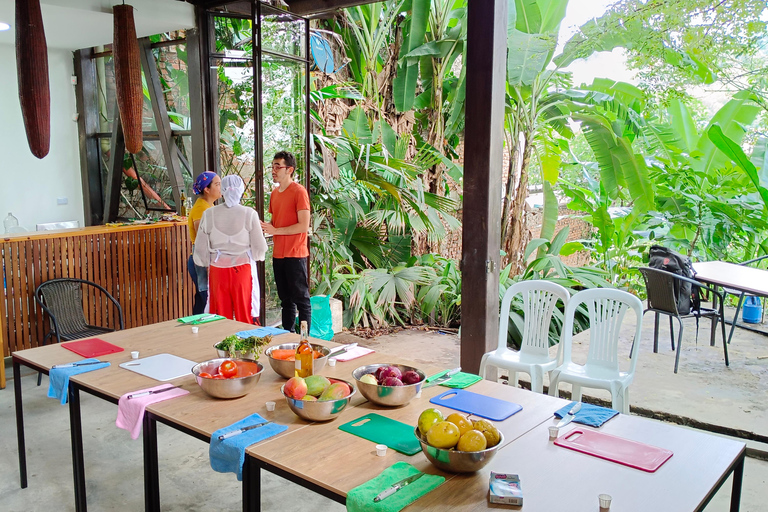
[505,489]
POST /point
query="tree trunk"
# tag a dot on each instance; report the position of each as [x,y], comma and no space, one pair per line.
[515,234]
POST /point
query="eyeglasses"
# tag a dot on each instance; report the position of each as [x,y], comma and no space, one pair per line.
[276,167]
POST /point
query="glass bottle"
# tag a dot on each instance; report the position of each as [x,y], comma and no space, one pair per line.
[10,222]
[183,209]
[305,360]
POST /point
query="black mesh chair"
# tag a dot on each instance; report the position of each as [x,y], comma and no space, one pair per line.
[660,289]
[62,301]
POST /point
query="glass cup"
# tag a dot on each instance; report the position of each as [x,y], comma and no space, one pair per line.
[605,501]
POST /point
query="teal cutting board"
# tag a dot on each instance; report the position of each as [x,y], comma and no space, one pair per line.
[381,430]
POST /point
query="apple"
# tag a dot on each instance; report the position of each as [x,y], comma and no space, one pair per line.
[369,378]
[295,388]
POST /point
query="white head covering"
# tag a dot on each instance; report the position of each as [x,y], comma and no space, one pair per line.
[232,188]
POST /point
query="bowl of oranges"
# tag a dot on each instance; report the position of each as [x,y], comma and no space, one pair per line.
[457,443]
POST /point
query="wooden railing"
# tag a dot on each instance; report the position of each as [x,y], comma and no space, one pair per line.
[143,267]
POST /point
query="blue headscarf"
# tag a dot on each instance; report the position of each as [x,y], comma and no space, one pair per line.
[202,182]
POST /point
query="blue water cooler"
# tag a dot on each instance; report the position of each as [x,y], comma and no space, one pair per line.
[751,310]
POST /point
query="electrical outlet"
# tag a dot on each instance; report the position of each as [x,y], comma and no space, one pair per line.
[74,79]
[62,200]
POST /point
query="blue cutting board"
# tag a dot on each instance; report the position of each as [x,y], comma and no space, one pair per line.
[479,405]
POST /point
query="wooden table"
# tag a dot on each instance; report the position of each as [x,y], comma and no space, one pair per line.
[686,482]
[744,279]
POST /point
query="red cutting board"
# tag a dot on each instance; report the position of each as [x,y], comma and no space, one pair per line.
[615,449]
[91,347]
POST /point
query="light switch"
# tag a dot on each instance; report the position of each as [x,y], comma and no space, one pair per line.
[62,200]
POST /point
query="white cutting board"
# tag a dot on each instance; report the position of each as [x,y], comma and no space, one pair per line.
[161,367]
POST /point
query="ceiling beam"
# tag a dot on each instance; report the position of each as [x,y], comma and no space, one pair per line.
[300,7]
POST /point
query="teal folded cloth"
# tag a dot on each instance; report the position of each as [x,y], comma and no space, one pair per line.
[461,380]
[58,378]
[592,415]
[360,499]
[228,456]
[261,332]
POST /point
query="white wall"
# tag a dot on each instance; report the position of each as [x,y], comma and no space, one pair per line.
[30,187]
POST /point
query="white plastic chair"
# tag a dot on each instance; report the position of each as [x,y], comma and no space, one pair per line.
[539,299]
[607,308]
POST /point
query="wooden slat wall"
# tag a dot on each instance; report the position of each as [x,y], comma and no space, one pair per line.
[143,267]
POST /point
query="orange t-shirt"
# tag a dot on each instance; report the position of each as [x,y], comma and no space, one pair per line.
[284,207]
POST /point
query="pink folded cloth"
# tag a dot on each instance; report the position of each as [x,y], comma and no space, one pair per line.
[354,353]
[130,411]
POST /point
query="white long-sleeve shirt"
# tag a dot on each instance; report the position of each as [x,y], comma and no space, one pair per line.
[228,237]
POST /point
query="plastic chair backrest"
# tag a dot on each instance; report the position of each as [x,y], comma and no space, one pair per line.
[660,289]
[606,308]
[539,300]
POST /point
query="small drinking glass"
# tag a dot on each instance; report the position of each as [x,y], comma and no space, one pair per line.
[605,501]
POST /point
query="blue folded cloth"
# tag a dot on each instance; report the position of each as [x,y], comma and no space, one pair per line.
[589,414]
[58,378]
[261,332]
[228,456]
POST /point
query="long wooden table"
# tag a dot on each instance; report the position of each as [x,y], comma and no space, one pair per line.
[341,461]
[744,279]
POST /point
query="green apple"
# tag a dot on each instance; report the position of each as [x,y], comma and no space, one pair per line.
[368,378]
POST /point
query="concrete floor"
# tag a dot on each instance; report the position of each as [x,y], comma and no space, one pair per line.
[704,392]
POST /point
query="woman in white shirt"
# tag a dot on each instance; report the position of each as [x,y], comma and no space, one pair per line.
[230,242]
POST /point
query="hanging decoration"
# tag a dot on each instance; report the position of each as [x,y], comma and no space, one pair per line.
[130,97]
[32,71]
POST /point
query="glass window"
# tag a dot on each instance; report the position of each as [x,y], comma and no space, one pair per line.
[233,37]
[283,32]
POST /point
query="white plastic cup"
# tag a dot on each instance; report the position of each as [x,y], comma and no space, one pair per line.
[605,501]
[270,406]
[332,361]
[553,433]
[195,329]
[381,450]
[135,354]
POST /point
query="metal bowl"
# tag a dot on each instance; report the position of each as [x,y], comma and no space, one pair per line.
[319,411]
[236,354]
[392,396]
[286,369]
[455,461]
[226,388]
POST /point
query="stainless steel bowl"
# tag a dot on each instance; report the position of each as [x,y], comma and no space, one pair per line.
[226,388]
[237,354]
[392,396]
[316,410]
[455,461]
[286,369]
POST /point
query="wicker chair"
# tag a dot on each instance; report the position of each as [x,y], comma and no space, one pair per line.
[62,301]
[660,286]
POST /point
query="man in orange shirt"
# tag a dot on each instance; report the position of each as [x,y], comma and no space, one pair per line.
[289,206]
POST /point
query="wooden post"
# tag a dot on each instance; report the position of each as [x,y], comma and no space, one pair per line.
[484,129]
[115,172]
[88,125]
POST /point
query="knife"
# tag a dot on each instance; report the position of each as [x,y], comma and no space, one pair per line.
[442,378]
[389,491]
[340,350]
[242,429]
[151,392]
[74,365]
[569,417]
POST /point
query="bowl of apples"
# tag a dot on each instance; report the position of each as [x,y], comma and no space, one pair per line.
[388,384]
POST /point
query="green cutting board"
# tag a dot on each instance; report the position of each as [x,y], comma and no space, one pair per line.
[381,430]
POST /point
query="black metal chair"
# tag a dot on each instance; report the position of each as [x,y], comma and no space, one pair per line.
[62,300]
[660,290]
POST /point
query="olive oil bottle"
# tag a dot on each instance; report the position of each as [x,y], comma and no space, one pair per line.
[305,360]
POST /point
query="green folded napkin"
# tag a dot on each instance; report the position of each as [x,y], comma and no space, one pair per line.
[461,380]
[360,499]
[203,318]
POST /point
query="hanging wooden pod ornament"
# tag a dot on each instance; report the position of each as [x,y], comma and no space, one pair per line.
[130,97]
[32,70]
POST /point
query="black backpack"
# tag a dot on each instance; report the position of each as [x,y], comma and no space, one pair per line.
[687,295]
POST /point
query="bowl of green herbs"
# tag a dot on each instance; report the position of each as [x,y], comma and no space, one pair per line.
[244,348]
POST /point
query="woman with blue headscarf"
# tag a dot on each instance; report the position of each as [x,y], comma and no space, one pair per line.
[207,187]
[229,243]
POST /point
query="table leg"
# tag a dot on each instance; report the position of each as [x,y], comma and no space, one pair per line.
[151,472]
[251,485]
[736,317]
[738,477]
[19,424]
[76,433]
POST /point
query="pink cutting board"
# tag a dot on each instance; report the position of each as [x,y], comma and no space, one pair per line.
[615,449]
[92,347]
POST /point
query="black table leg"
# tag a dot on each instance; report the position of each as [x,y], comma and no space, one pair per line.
[20,424]
[151,472]
[251,485]
[738,477]
[76,433]
[736,317]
